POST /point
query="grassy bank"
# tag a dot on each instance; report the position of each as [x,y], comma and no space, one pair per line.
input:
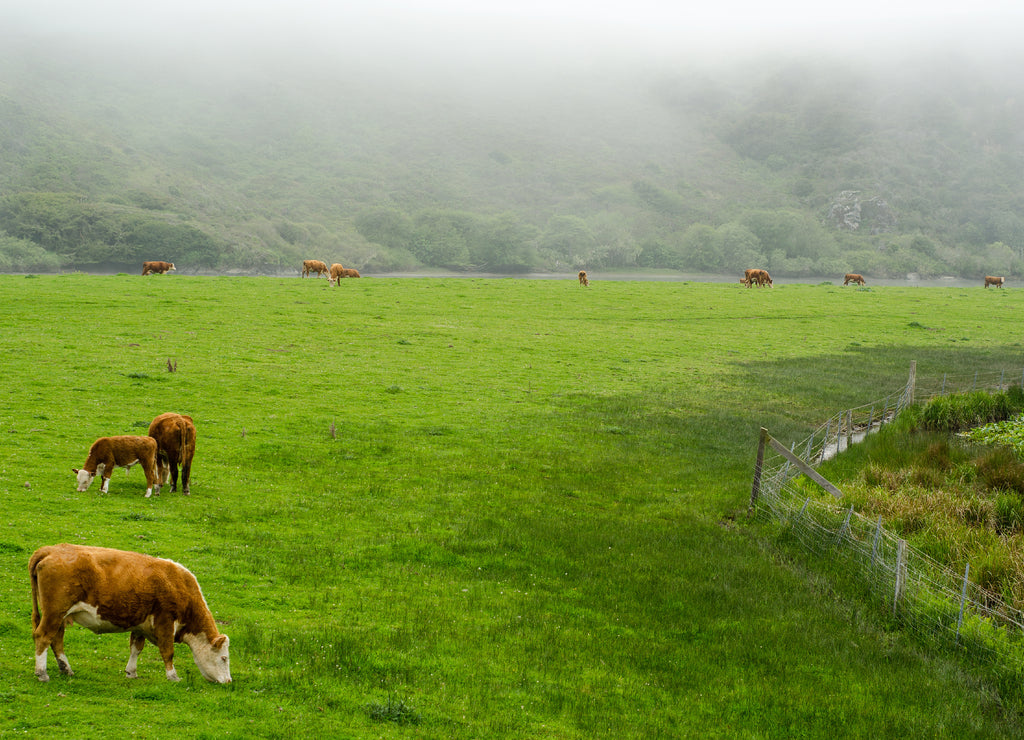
[469,508]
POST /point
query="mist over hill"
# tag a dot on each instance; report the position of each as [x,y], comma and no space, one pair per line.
[224,159]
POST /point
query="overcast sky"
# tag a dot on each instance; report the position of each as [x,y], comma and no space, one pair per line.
[616,25]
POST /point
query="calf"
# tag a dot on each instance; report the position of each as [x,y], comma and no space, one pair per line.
[108,453]
[337,272]
[159,268]
[996,281]
[311,266]
[175,436]
[852,277]
[584,280]
[108,590]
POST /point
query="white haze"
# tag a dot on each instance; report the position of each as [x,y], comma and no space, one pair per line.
[465,36]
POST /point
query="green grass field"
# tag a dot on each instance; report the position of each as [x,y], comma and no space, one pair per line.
[472,508]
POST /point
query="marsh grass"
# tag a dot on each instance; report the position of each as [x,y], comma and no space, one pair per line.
[510,505]
[955,500]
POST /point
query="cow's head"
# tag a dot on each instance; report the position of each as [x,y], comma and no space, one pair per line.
[84,478]
[211,658]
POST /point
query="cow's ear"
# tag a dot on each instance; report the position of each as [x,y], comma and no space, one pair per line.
[219,642]
[74,470]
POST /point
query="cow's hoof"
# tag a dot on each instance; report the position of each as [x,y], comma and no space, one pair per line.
[43,677]
[131,674]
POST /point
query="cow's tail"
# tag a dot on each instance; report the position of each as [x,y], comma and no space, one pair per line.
[33,565]
[182,439]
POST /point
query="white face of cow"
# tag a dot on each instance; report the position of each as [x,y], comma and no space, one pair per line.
[84,479]
[211,659]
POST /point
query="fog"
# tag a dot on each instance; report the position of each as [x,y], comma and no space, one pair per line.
[463,37]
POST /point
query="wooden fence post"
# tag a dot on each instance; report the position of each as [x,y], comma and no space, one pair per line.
[912,381]
[756,488]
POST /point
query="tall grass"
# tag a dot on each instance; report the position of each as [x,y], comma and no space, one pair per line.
[507,508]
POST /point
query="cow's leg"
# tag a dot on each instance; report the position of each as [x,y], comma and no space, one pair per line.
[186,473]
[163,632]
[49,634]
[106,484]
[136,642]
[58,651]
[174,473]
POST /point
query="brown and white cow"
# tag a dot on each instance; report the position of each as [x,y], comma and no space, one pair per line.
[159,268]
[853,277]
[584,280]
[996,281]
[337,272]
[314,266]
[175,436]
[107,590]
[754,275]
[124,451]
[351,272]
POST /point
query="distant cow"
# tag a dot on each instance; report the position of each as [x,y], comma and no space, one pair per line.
[108,590]
[584,280]
[337,272]
[852,277]
[159,268]
[996,281]
[175,436]
[311,266]
[108,453]
[351,272]
[754,275]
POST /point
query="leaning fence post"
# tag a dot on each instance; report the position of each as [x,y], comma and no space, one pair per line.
[871,418]
[963,602]
[756,488]
[846,525]
[901,575]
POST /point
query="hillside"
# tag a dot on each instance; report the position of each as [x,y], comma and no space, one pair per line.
[803,165]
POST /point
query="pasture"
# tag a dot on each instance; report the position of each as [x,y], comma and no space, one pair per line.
[464,508]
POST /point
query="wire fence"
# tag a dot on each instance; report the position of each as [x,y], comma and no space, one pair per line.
[935,602]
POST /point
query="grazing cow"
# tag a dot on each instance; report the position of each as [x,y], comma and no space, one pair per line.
[158,268]
[852,277]
[996,281]
[337,272]
[124,451]
[754,275]
[108,590]
[584,280]
[351,272]
[175,436]
[311,266]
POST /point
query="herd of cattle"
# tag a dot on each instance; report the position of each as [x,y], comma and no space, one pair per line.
[754,276]
[334,273]
[108,590]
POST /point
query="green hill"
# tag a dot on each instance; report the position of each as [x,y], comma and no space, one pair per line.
[803,166]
